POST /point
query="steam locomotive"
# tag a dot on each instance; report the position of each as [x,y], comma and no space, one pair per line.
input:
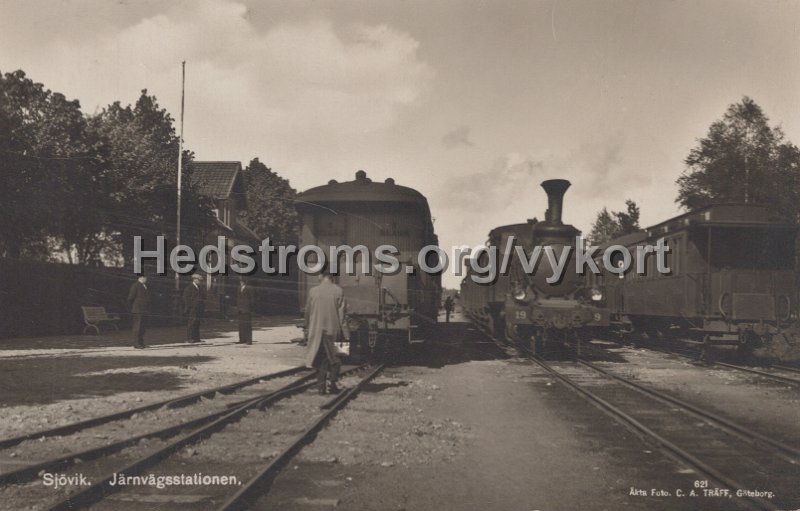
[523,307]
[383,310]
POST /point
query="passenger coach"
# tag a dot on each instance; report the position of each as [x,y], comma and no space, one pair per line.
[383,309]
[731,280]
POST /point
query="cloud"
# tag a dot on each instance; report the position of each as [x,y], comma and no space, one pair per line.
[509,177]
[458,137]
[596,169]
[299,87]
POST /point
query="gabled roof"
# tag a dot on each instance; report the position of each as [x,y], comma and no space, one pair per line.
[215,179]
[244,231]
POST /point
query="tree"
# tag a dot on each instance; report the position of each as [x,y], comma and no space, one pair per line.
[270,201]
[611,225]
[628,220]
[142,161]
[48,172]
[743,159]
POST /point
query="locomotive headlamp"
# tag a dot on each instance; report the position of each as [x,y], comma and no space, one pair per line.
[597,295]
[519,294]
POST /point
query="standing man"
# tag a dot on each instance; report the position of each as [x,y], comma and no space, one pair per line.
[448,307]
[244,303]
[194,302]
[139,305]
[325,313]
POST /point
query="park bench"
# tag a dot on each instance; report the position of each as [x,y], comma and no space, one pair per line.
[95,316]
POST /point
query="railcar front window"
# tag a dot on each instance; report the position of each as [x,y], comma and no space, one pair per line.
[752,248]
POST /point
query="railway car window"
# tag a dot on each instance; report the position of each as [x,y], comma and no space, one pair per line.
[752,248]
[669,259]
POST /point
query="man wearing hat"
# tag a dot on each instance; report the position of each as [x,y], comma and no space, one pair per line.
[194,301]
[244,306]
[325,324]
[139,303]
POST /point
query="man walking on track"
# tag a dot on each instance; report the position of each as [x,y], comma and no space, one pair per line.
[448,308]
[194,298]
[324,319]
[244,303]
[139,304]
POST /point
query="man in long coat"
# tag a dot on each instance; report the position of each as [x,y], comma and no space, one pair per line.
[139,304]
[194,302]
[448,308]
[324,319]
[244,306]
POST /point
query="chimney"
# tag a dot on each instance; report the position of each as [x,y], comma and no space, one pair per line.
[555,189]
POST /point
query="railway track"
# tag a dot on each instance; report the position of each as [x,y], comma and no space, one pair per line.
[29,472]
[769,373]
[165,453]
[175,402]
[732,455]
[765,374]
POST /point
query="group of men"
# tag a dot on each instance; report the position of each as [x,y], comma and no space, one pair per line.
[324,320]
[194,300]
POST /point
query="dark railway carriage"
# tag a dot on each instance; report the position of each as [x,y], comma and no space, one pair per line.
[731,279]
[382,308]
[484,303]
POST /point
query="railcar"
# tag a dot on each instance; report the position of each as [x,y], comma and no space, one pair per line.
[521,305]
[731,280]
[384,310]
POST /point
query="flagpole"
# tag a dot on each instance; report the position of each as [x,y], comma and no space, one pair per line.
[180,168]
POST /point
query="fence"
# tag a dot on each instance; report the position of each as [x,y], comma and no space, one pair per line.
[38,299]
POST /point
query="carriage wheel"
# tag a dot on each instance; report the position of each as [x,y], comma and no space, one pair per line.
[748,342]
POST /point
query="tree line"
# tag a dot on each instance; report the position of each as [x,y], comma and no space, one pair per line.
[78,187]
[742,159]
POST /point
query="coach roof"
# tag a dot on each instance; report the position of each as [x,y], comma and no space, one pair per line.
[362,189]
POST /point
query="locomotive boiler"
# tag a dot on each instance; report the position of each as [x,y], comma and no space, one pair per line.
[384,310]
[528,306]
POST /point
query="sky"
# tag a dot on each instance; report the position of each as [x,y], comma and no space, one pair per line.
[472,103]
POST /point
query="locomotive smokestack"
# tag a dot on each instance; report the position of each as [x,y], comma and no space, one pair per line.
[555,189]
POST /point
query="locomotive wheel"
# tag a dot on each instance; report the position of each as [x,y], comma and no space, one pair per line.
[538,342]
[510,333]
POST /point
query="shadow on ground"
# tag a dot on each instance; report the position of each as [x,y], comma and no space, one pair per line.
[155,336]
[460,342]
[67,378]
[450,343]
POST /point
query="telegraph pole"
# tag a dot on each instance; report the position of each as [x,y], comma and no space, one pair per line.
[180,168]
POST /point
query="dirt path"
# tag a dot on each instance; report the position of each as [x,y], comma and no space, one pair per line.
[474,436]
